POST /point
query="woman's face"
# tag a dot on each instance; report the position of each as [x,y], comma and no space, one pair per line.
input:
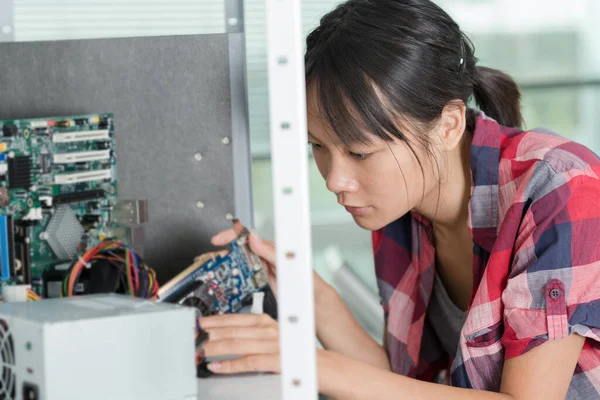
[376,183]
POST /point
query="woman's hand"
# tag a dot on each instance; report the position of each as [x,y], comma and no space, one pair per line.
[265,249]
[254,338]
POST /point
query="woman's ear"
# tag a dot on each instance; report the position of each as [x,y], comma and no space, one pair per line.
[452,124]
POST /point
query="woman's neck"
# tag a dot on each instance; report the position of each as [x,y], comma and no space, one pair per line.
[447,205]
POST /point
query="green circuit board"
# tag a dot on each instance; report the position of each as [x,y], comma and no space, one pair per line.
[58,188]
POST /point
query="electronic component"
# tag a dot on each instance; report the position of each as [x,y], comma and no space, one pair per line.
[81,156]
[6,247]
[221,284]
[69,179]
[81,136]
[57,348]
[77,197]
[22,245]
[45,163]
[9,130]
[58,182]
[15,293]
[4,197]
[19,172]
[64,233]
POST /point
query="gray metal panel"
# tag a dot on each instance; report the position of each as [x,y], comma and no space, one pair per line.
[171,99]
[7,21]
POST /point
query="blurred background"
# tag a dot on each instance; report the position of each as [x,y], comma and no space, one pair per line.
[551,47]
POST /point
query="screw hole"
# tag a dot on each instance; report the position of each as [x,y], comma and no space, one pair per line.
[290,255]
[293,319]
[296,382]
[285,125]
[287,190]
[282,60]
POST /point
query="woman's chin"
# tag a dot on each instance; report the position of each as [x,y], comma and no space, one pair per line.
[369,223]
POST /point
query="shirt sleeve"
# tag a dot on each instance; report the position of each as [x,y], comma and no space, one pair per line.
[553,288]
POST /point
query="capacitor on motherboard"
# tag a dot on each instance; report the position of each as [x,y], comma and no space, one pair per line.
[67,123]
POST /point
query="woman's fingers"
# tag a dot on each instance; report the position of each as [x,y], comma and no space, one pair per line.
[240,347]
[216,334]
[239,320]
[253,363]
[263,248]
[224,237]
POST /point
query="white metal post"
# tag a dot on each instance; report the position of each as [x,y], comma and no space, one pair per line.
[287,98]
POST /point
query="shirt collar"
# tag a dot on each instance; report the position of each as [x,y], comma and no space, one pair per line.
[485,160]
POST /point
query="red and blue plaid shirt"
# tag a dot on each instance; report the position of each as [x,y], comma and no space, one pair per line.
[534,216]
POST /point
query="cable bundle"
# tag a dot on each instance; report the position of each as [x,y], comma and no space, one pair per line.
[139,279]
[32,296]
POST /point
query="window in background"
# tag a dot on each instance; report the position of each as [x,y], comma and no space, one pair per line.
[85,19]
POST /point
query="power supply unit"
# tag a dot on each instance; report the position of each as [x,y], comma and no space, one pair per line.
[97,347]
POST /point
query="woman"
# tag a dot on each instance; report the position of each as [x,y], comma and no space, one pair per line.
[484,235]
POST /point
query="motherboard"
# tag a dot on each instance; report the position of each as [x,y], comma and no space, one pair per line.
[58,189]
[219,283]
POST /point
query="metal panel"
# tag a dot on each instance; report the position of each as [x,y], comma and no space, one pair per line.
[7,19]
[287,99]
[171,100]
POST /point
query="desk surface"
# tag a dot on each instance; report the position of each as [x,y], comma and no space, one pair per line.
[250,387]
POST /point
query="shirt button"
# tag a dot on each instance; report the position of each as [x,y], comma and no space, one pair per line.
[555,293]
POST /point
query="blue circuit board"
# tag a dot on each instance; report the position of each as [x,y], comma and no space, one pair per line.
[219,284]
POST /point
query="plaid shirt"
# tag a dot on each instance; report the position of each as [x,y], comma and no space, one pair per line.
[534,216]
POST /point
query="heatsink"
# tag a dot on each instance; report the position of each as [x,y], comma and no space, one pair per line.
[64,233]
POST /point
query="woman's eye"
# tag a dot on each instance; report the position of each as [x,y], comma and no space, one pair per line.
[315,145]
[359,156]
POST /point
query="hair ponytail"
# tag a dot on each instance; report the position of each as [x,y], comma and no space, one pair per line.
[498,96]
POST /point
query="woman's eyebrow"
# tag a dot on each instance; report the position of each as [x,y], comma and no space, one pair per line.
[313,136]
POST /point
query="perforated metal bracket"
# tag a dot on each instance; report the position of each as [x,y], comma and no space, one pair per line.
[7,21]
[130,212]
[287,94]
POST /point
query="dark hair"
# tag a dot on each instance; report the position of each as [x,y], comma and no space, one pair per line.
[374,62]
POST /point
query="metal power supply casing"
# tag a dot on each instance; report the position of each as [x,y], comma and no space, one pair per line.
[98,347]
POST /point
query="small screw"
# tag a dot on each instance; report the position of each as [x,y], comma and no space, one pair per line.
[228,216]
[199,204]
[287,190]
[198,157]
[290,255]
[44,236]
[293,319]
[226,140]
[285,125]
[282,60]
[296,382]
[232,21]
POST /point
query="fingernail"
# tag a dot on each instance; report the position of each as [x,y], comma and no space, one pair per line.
[214,366]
